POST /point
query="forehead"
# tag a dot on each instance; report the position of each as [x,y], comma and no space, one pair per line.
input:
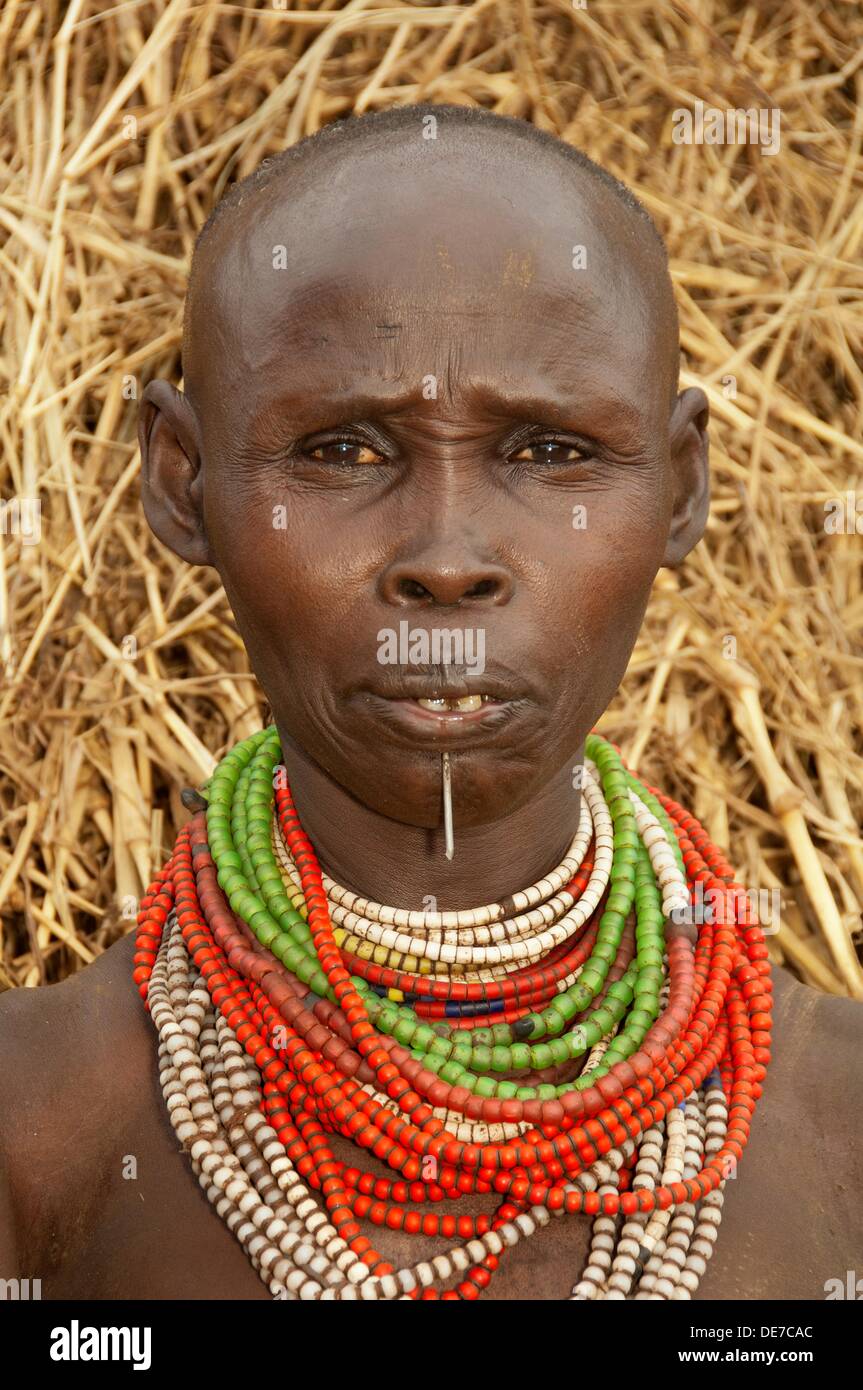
[485,267]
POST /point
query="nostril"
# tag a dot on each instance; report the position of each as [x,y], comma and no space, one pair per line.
[483,589]
[411,588]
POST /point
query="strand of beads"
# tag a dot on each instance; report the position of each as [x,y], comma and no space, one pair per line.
[428,922]
[255,1188]
[336,1068]
[488,942]
[467,994]
[466,1064]
[380,956]
[535,1061]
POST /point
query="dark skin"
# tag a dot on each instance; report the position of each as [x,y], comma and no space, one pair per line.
[308,388]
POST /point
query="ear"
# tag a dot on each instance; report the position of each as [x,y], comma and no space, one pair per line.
[690,474]
[171,473]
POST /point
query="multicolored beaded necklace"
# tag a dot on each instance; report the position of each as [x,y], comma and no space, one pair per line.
[580,1048]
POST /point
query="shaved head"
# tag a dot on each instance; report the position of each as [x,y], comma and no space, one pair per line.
[413,161]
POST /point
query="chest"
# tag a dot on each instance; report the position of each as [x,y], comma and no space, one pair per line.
[787,1227]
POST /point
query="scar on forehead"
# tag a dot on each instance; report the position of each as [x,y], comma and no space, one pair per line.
[518,270]
[444,257]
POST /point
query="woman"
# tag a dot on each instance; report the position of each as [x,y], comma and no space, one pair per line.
[431,439]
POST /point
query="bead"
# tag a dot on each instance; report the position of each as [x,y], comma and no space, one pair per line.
[286,1006]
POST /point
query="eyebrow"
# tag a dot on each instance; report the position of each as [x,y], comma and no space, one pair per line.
[559,409]
[555,410]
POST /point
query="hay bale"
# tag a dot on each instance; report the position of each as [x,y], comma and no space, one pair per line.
[122,676]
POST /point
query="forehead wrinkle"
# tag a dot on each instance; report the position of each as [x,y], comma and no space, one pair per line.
[308,203]
[328,315]
[475,403]
[257,329]
[580,356]
[553,404]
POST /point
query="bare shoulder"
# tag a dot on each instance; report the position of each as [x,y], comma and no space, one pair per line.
[97,1198]
[68,1034]
[74,1058]
[813,1076]
[810,1025]
[792,1221]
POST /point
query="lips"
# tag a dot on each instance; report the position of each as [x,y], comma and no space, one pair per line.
[447,684]
[468,709]
[444,705]
[432,723]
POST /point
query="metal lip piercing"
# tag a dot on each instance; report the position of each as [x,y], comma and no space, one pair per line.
[449,842]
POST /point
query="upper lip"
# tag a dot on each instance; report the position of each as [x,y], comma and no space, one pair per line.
[447,683]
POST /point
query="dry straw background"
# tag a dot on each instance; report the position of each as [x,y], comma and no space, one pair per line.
[123,124]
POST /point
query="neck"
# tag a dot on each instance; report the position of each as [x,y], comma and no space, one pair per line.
[402,865]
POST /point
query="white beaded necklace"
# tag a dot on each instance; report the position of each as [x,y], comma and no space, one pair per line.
[504,942]
[214,1099]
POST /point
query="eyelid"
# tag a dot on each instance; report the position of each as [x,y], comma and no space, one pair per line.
[340,436]
[525,439]
[579,445]
[327,443]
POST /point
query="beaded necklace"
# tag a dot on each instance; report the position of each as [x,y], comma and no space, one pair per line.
[579,1048]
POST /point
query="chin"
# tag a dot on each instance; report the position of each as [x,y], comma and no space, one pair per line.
[487,786]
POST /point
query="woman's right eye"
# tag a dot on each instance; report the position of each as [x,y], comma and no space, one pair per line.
[347,451]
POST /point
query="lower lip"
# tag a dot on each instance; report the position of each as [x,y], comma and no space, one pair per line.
[415,719]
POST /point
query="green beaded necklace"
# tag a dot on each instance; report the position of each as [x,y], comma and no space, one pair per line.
[240,812]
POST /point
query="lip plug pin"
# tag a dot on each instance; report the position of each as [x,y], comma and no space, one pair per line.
[449,846]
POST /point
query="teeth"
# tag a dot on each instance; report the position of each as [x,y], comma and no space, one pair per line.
[465,703]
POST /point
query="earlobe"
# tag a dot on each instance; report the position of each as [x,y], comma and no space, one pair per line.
[171,472]
[690,474]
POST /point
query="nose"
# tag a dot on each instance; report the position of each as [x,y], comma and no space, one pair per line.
[444,576]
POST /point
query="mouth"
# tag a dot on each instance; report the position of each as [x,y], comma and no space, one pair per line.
[437,718]
[449,712]
[453,704]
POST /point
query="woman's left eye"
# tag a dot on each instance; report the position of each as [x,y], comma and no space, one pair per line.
[343,451]
[549,451]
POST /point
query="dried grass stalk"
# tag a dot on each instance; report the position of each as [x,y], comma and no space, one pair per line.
[123,678]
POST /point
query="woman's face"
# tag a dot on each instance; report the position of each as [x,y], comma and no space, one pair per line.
[433,419]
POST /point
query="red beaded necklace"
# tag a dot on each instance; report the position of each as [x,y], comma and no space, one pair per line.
[324,1068]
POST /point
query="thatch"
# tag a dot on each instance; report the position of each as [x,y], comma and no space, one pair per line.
[122,125]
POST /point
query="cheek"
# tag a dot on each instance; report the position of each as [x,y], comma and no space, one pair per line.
[607,559]
[300,598]
[281,582]
[619,577]
[594,596]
